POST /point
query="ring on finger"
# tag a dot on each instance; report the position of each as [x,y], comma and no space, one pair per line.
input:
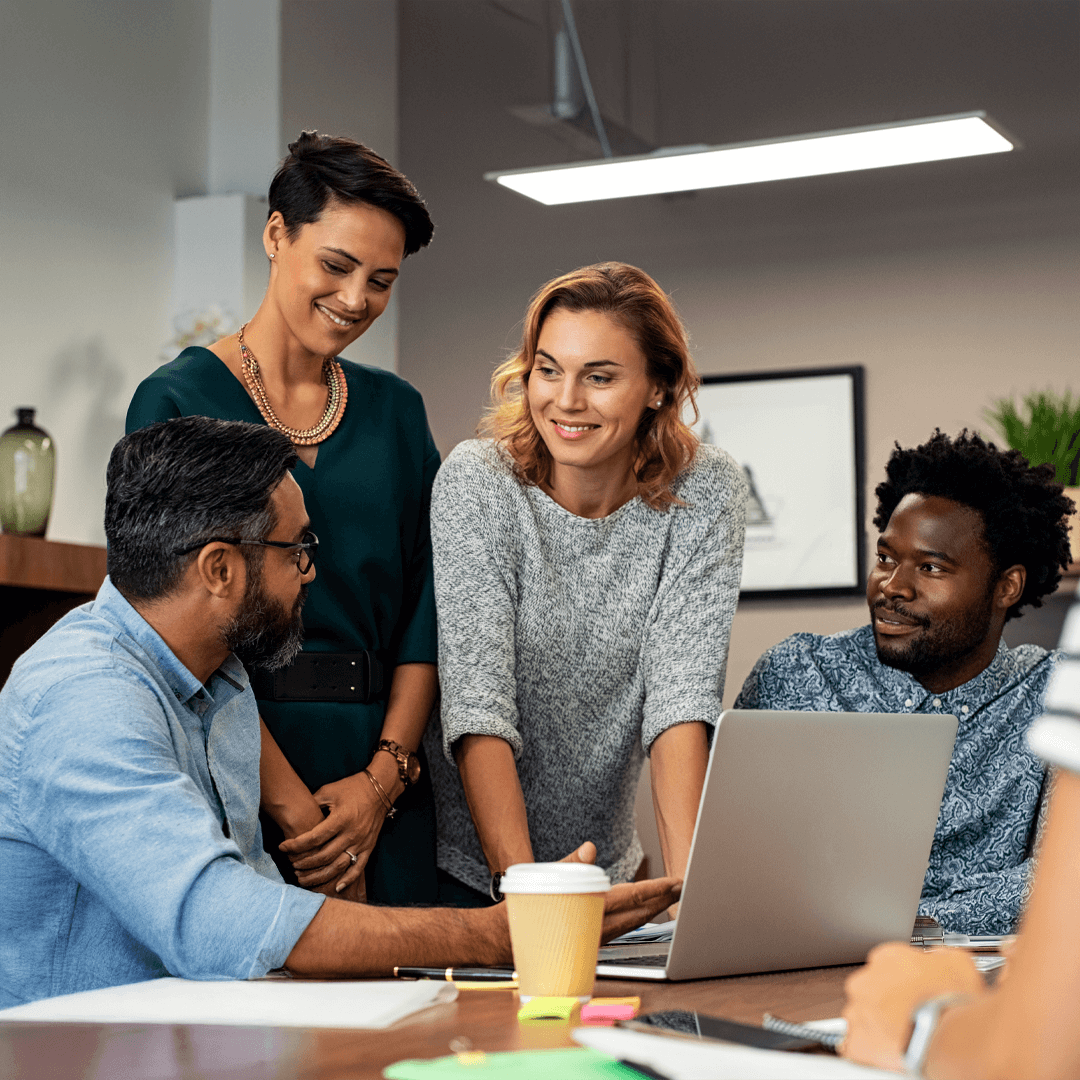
[352,857]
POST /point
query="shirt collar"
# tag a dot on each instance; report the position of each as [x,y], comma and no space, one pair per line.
[112,605]
[902,687]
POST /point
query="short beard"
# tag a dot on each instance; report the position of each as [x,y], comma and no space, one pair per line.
[263,634]
[937,648]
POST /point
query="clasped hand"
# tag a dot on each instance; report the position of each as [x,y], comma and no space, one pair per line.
[320,856]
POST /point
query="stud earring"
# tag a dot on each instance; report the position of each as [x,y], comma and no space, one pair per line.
[660,403]
[272,254]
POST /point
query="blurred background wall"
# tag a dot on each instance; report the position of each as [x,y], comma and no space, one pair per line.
[110,113]
[954,283]
[103,122]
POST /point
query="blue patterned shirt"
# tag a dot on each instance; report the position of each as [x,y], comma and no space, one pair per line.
[980,861]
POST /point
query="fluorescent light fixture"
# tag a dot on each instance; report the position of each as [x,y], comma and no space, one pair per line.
[936,138]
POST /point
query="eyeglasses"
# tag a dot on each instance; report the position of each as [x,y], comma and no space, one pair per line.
[307,547]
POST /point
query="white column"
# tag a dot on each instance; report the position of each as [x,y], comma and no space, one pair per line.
[219,267]
[245,96]
[339,68]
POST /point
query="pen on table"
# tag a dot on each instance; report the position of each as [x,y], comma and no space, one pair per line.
[452,974]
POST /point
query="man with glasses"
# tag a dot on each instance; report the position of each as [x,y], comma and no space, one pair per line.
[130,845]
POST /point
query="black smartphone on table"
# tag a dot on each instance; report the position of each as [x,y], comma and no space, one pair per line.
[694,1025]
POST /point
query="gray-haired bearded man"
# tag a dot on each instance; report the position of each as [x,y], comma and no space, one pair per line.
[130,845]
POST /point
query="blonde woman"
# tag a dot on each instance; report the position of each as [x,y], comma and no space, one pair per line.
[587,561]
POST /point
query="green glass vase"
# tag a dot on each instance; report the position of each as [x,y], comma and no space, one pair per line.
[27,470]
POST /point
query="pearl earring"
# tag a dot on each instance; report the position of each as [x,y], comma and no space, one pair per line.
[272,254]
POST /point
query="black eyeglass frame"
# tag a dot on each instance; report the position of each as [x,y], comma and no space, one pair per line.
[308,547]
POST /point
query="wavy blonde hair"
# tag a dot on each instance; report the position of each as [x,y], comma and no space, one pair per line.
[666,445]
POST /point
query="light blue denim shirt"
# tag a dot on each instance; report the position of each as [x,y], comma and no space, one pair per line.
[130,845]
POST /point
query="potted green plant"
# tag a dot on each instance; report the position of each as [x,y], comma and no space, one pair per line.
[1049,432]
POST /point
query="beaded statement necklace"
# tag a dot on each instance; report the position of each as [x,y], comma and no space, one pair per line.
[336,397]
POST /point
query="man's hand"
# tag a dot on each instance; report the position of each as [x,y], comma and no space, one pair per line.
[584,854]
[882,995]
[628,906]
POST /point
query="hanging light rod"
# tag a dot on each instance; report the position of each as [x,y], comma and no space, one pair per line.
[691,168]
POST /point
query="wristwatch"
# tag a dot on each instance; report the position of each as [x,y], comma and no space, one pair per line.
[408,764]
[926,1018]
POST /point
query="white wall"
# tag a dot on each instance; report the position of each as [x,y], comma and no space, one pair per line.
[244,113]
[108,112]
[339,75]
[102,123]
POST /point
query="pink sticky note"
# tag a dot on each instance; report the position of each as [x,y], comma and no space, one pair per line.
[600,1013]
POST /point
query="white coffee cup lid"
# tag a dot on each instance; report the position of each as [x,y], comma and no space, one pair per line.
[554,877]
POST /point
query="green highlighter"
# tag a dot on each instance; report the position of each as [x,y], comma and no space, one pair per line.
[569,1064]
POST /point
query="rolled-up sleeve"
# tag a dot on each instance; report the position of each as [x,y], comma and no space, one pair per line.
[686,646]
[103,792]
[476,603]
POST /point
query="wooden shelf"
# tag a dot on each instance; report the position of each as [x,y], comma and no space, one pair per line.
[29,562]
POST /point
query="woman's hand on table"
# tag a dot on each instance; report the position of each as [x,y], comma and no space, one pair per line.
[356,815]
[883,994]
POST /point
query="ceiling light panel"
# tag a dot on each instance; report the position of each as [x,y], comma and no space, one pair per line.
[933,139]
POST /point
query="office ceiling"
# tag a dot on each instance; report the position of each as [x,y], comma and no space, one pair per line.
[716,71]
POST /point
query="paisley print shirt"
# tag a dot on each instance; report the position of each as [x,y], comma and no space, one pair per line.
[980,861]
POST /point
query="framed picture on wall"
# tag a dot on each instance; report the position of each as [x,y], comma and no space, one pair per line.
[798,435]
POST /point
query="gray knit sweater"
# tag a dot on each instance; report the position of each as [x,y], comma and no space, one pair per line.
[576,640]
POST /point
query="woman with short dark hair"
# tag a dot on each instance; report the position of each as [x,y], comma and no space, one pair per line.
[587,559]
[345,720]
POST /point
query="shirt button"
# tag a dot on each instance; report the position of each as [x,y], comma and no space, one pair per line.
[937,703]
[909,703]
[963,708]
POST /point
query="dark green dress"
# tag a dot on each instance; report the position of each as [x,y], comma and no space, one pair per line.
[368,497]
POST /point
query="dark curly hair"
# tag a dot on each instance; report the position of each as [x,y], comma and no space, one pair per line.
[1023,509]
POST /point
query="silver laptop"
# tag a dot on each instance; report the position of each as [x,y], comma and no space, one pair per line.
[811,844]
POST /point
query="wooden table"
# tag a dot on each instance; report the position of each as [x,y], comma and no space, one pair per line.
[488,1018]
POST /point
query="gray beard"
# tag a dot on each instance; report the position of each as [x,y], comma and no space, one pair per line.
[263,634]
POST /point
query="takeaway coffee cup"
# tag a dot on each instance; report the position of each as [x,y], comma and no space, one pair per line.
[556,911]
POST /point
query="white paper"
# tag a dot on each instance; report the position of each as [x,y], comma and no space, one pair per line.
[260,1003]
[681,1059]
[651,931]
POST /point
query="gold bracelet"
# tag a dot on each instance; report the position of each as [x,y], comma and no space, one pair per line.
[391,809]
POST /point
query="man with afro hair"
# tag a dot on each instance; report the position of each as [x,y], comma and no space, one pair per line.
[970,535]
